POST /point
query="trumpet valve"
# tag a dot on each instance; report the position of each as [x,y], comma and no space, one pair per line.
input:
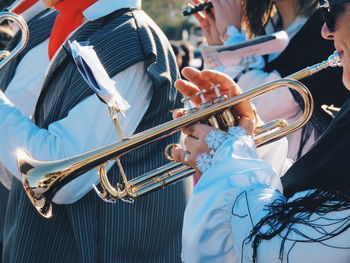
[219,97]
[186,101]
[228,118]
[214,122]
[205,103]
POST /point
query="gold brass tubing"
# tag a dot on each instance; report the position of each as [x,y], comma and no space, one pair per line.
[228,118]
[4,54]
[7,14]
[161,181]
[270,126]
[213,121]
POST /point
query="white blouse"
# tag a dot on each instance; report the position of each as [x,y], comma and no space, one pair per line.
[276,104]
[229,200]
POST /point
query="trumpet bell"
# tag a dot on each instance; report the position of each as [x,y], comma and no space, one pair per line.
[37,189]
[41,180]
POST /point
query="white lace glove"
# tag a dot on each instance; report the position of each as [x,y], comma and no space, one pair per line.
[214,140]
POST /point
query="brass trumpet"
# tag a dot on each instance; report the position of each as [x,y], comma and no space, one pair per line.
[42,180]
[7,14]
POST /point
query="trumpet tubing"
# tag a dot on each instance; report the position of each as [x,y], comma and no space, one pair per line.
[42,180]
[7,14]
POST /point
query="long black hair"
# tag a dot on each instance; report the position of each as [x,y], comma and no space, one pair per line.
[282,217]
[324,173]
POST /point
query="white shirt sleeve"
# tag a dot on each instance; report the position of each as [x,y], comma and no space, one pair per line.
[229,200]
[276,153]
[87,126]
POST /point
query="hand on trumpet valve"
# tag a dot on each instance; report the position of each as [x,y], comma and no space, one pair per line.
[201,143]
[217,87]
[205,87]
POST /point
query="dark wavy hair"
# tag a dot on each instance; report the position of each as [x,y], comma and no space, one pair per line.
[283,216]
[257,13]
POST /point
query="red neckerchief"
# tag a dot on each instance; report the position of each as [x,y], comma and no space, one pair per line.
[24,6]
[69,18]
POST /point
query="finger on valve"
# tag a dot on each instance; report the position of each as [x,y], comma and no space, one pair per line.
[231,89]
[206,79]
[193,75]
[227,85]
[194,84]
[178,113]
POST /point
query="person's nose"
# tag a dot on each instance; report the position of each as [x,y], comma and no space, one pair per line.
[326,34]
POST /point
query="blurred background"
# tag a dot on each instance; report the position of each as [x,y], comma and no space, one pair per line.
[184,33]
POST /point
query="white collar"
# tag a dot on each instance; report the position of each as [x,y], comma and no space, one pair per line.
[105,7]
[294,28]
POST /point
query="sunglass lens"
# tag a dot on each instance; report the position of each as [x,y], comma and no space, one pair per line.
[328,19]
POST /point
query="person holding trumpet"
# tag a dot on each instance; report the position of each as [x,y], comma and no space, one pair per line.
[68,119]
[240,210]
[240,20]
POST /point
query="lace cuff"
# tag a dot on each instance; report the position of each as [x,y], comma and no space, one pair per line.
[214,140]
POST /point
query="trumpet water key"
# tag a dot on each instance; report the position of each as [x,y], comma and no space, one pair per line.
[42,180]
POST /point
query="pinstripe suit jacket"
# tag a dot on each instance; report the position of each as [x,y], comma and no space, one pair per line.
[90,230]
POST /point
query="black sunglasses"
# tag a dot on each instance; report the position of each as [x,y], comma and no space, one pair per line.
[330,11]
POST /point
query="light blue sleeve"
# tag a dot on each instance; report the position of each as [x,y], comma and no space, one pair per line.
[231,197]
[86,127]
